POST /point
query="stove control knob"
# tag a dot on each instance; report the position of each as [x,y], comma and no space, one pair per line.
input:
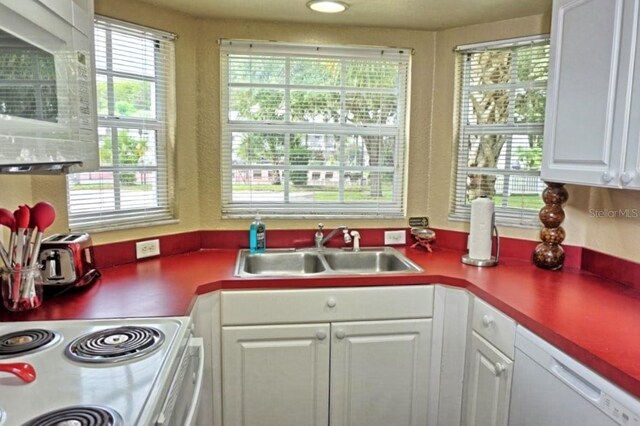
[331,302]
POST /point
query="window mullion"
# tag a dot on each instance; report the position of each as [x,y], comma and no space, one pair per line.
[287,136]
[116,168]
[506,180]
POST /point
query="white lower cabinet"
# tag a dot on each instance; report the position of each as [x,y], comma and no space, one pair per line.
[379,372]
[276,375]
[488,385]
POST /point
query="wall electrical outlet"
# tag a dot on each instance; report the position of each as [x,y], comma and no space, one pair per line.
[395,237]
[147,248]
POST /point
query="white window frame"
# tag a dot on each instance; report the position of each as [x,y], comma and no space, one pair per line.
[460,207]
[127,218]
[375,209]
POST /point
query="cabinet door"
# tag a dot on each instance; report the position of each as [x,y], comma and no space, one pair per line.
[630,177]
[488,385]
[448,349]
[275,375]
[380,373]
[587,90]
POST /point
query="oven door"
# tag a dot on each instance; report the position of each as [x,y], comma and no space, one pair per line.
[180,406]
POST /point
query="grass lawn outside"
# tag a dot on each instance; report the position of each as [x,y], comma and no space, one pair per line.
[320,192]
[107,186]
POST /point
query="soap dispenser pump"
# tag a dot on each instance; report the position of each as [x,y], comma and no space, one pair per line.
[257,236]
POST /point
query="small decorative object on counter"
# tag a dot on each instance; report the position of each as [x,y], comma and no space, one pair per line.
[21,288]
[257,236]
[423,236]
[549,254]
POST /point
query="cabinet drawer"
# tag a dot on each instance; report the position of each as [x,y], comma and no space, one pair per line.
[326,305]
[496,327]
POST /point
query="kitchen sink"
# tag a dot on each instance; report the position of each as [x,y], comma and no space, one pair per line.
[280,263]
[319,262]
[373,261]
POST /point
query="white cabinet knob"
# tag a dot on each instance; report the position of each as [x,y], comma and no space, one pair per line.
[487,320]
[627,177]
[499,367]
[331,302]
[340,334]
[607,176]
[321,335]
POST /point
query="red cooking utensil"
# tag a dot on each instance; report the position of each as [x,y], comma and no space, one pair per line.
[24,371]
[22,216]
[7,219]
[42,216]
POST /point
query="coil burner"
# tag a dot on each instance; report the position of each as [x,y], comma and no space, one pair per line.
[81,415]
[115,344]
[26,341]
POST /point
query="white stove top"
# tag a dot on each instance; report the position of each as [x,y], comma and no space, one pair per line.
[125,387]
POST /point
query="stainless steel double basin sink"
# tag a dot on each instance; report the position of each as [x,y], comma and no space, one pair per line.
[321,262]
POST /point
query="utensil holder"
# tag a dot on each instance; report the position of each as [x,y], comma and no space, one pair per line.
[21,288]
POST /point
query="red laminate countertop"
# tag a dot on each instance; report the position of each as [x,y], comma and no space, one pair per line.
[595,320]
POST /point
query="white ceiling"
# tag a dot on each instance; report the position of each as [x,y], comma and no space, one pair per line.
[408,14]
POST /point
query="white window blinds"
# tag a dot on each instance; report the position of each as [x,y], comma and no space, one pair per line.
[313,130]
[135,97]
[502,93]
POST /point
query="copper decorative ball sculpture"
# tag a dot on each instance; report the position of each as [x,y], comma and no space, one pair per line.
[549,254]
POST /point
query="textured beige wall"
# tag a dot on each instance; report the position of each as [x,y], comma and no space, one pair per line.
[613,233]
[209,113]
[21,189]
[431,130]
[611,220]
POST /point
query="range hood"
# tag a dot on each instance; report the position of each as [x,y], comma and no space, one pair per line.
[39,168]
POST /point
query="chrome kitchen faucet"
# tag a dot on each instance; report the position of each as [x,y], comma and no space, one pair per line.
[321,240]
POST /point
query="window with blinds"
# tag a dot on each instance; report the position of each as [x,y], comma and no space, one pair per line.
[502,93]
[135,104]
[313,130]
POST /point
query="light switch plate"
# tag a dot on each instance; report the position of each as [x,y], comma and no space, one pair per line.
[147,248]
[395,237]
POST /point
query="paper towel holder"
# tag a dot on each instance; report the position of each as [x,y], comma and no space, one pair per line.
[493,260]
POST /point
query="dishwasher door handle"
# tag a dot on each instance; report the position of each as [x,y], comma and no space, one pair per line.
[576,382]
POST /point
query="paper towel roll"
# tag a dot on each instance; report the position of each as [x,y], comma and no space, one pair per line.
[480,235]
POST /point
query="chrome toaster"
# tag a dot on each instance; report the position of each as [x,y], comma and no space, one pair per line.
[67,260]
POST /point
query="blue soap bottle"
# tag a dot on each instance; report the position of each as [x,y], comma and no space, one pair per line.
[257,236]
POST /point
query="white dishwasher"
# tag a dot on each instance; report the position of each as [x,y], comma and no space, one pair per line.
[552,389]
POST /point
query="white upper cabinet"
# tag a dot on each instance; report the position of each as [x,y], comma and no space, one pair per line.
[47,102]
[591,135]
